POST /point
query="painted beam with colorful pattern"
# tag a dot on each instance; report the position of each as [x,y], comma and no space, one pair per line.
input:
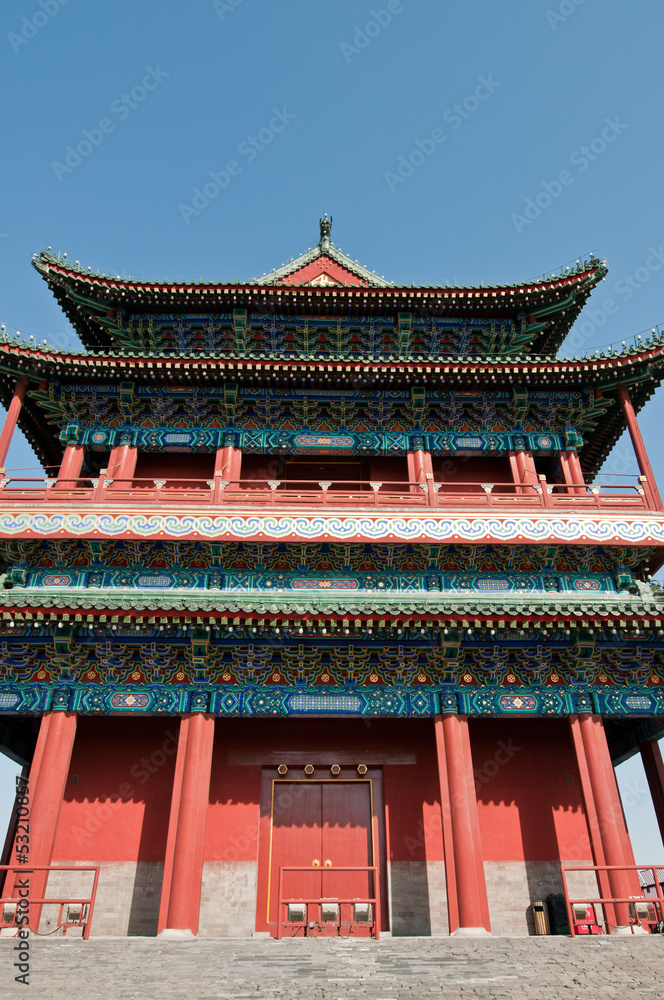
[395,701]
[627,528]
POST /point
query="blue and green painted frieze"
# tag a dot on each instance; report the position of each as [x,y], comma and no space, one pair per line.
[168,440]
[234,582]
[128,407]
[395,701]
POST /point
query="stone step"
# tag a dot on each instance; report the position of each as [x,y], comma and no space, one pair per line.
[333,969]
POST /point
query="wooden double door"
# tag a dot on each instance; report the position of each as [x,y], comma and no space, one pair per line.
[321,828]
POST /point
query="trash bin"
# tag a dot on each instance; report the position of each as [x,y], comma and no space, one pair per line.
[541,917]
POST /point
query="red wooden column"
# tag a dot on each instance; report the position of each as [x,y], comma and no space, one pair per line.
[70,468]
[617,806]
[11,419]
[422,465]
[467,873]
[228,463]
[48,777]
[609,834]
[46,790]
[420,468]
[639,447]
[523,468]
[122,466]
[594,830]
[515,466]
[526,464]
[448,840]
[653,765]
[572,471]
[183,868]
[575,467]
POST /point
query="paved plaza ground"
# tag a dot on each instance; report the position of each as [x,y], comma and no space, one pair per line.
[391,969]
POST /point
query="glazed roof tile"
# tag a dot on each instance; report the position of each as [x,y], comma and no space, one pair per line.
[640,366]
[549,305]
[189,601]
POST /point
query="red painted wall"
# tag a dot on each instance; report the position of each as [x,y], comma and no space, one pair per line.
[232,822]
[412,794]
[256,469]
[388,469]
[528,810]
[199,466]
[118,808]
[466,469]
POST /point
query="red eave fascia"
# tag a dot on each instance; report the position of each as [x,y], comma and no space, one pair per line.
[271,366]
[293,291]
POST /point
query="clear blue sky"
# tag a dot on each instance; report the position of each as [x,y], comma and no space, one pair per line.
[494,111]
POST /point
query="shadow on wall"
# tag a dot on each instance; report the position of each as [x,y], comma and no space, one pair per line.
[145,899]
[531,812]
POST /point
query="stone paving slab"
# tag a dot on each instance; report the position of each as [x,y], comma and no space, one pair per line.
[554,968]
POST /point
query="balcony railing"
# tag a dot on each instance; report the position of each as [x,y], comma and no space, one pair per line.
[631,495]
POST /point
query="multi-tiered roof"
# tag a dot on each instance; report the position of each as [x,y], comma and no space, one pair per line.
[327,320]
[418,590]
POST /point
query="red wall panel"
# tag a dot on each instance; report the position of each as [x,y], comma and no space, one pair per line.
[528,789]
[118,791]
[388,469]
[153,466]
[471,469]
[529,796]
[232,823]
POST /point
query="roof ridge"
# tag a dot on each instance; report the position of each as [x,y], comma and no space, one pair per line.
[315,253]
[44,258]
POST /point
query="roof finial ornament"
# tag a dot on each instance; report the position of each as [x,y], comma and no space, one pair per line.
[325,230]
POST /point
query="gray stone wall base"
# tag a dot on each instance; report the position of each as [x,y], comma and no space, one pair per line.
[228,899]
[418,899]
[512,887]
[128,897]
